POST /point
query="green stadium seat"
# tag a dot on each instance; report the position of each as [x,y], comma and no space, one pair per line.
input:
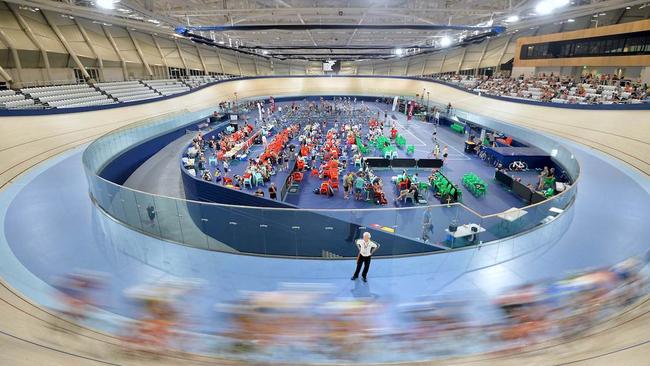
[410,150]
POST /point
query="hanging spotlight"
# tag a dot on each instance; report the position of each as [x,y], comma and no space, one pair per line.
[512,19]
[106,4]
[445,41]
[546,7]
[399,52]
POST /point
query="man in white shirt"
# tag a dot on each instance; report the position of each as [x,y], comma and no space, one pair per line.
[366,248]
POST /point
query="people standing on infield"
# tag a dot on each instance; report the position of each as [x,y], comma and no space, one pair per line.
[366,248]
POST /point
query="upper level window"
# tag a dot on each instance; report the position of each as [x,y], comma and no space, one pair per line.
[616,45]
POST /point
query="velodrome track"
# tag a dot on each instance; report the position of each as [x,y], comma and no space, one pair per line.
[26,141]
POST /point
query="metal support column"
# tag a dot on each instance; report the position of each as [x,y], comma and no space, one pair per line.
[67,46]
[92,48]
[30,34]
[14,54]
[180,54]
[205,68]
[139,51]
[125,72]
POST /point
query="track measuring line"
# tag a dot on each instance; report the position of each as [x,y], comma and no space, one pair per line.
[440,140]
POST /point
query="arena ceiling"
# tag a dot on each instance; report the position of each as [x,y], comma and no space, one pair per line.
[347,37]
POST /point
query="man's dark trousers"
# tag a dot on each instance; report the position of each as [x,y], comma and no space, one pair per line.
[366,265]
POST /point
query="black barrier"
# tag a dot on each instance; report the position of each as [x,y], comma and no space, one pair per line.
[537,198]
[429,163]
[377,162]
[403,163]
[522,191]
[503,178]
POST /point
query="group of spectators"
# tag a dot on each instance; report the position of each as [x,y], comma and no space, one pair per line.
[587,89]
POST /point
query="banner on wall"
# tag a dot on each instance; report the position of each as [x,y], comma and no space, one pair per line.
[259,110]
[394,104]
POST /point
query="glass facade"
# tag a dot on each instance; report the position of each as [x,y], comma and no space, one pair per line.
[628,44]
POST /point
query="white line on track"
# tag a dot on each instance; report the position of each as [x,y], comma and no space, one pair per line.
[419,124]
[406,130]
[441,141]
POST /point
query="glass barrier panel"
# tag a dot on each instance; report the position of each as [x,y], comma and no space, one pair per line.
[168,218]
[190,217]
[282,229]
[147,212]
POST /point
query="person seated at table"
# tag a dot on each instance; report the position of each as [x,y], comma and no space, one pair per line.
[266,174]
[217,174]
[433,174]
[411,190]
[200,164]
[415,179]
[401,195]
[416,192]
[238,181]
[377,180]
[378,191]
[300,164]
[273,158]
[207,176]
[259,192]
[404,178]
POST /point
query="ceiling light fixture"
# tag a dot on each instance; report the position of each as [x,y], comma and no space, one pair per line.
[546,7]
[106,4]
[445,41]
[399,51]
[512,19]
